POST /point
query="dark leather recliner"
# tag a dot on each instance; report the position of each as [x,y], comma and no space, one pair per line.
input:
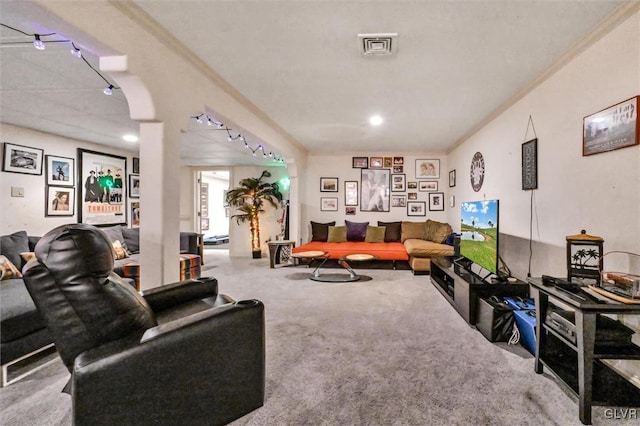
[177,354]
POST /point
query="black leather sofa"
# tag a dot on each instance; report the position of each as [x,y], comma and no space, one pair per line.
[177,354]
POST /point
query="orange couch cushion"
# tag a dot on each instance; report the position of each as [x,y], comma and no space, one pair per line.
[383,251]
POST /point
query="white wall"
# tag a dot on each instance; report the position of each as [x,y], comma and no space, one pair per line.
[218,222]
[340,166]
[599,193]
[28,213]
[239,234]
[187,199]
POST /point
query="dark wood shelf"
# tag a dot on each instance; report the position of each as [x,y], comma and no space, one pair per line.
[562,357]
[628,351]
[609,388]
[462,289]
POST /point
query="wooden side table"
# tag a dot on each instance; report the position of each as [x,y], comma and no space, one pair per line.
[280,252]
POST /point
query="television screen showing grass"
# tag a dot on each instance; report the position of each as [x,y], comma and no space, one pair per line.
[479,228]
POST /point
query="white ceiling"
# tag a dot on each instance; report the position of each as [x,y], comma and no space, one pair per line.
[299,62]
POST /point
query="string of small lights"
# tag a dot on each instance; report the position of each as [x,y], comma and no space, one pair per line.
[39,44]
[202,118]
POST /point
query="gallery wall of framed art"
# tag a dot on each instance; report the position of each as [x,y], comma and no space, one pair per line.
[383,184]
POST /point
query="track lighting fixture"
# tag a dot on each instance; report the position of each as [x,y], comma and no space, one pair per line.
[76,52]
[37,43]
[200,118]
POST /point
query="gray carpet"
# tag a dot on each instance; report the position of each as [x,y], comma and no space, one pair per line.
[389,351]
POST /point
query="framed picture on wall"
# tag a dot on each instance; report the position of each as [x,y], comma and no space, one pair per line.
[374,190]
[376,162]
[135,214]
[612,128]
[428,169]
[22,159]
[61,171]
[428,185]
[134,186]
[416,208]
[102,199]
[436,201]
[59,201]
[329,204]
[412,185]
[388,162]
[204,198]
[398,201]
[328,184]
[350,210]
[351,193]
[530,164]
[360,162]
[452,178]
[398,183]
[136,165]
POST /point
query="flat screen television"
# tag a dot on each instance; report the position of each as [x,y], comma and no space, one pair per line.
[479,229]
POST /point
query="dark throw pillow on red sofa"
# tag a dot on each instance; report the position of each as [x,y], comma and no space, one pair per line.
[320,231]
[356,231]
[393,231]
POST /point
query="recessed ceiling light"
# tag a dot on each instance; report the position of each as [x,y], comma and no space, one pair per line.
[130,138]
[376,120]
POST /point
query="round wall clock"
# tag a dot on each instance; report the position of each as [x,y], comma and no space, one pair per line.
[477,171]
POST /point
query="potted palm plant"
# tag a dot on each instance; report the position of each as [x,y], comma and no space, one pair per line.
[248,199]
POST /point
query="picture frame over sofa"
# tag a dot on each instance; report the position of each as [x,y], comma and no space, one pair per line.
[374,190]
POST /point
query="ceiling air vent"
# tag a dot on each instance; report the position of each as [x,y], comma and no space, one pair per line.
[378,44]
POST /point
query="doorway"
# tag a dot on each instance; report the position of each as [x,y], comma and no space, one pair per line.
[213,213]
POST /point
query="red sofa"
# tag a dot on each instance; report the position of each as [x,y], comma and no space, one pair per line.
[415,244]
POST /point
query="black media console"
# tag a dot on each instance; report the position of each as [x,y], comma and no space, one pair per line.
[462,288]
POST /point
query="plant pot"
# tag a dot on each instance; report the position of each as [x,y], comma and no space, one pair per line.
[256,254]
